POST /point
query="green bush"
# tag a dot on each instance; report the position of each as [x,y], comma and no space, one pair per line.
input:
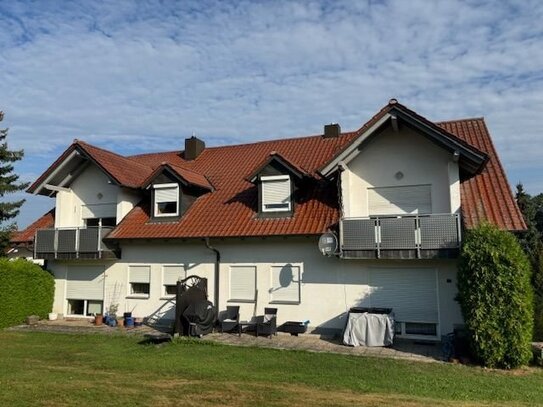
[496,297]
[25,289]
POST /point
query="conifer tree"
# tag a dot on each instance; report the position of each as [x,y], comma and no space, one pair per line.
[8,184]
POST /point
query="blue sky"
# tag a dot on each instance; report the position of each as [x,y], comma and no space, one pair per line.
[141,76]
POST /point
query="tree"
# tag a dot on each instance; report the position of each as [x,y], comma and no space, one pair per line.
[532,242]
[496,297]
[8,185]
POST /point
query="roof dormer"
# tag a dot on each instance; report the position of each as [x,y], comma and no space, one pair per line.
[277,179]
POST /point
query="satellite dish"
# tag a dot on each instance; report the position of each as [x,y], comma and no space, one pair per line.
[328,244]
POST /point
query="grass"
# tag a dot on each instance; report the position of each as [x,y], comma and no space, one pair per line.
[77,370]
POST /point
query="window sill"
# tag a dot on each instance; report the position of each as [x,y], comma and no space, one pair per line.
[167,297]
[138,296]
[286,302]
[243,301]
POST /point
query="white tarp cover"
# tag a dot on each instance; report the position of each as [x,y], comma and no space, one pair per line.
[365,329]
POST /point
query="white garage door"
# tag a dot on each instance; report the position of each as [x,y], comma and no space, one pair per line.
[411,292]
[85,283]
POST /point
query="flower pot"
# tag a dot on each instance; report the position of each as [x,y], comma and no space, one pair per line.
[98,319]
[53,316]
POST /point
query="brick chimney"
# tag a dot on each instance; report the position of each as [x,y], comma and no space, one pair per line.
[193,148]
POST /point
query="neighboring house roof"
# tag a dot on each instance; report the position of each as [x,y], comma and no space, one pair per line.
[487,196]
[230,209]
[47,220]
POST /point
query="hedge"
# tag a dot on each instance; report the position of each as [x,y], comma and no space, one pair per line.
[496,297]
[25,289]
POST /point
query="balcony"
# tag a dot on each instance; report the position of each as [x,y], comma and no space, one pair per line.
[401,237]
[73,243]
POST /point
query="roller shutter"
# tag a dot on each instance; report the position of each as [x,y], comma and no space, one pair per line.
[400,200]
[85,283]
[242,283]
[410,292]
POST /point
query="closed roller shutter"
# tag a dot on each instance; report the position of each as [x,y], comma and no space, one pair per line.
[286,283]
[400,200]
[242,283]
[85,283]
[276,192]
[411,293]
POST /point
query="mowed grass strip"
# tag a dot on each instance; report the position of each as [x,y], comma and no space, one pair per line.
[62,369]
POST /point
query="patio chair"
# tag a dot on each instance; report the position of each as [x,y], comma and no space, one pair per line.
[267,324]
[230,319]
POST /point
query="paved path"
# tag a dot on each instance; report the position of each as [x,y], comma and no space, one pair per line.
[402,349]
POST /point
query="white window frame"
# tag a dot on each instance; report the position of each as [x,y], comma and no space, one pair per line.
[129,285]
[271,178]
[85,307]
[155,203]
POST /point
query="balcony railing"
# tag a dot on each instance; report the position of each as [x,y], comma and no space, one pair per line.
[405,236]
[72,243]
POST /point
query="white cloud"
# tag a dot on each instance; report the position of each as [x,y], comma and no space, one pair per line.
[142,76]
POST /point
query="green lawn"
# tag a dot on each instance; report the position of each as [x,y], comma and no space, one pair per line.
[61,369]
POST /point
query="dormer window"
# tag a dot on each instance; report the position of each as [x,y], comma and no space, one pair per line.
[276,193]
[166,199]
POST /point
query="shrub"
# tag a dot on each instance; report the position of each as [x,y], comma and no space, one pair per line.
[496,297]
[25,289]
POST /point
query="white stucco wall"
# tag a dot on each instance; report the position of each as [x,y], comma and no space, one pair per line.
[420,161]
[329,286]
[92,187]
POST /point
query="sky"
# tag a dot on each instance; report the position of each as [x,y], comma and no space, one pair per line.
[142,76]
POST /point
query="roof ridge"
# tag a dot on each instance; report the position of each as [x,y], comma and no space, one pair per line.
[343,134]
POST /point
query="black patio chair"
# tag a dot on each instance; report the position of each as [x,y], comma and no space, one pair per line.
[267,324]
[230,319]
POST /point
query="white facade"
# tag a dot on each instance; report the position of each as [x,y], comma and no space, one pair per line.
[400,159]
[328,287]
[320,289]
[92,191]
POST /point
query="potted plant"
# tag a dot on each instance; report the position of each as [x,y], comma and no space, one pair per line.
[111,318]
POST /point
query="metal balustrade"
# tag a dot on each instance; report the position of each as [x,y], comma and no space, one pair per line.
[72,243]
[428,232]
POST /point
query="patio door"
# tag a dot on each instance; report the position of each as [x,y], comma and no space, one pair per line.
[85,290]
[413,296]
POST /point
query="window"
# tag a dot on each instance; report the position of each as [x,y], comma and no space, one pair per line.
[84,307]
[413,199]
[242,283]
[139,280]
[166,199]
[95,222]
[285,284]
[276,193]
[170,275]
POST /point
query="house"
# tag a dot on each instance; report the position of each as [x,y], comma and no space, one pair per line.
[398,193]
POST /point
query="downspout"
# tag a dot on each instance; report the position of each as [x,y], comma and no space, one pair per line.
[217,266]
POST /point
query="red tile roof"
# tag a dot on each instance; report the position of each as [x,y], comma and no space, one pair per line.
[191,177]
[230,210]
[27,235]
[487,196]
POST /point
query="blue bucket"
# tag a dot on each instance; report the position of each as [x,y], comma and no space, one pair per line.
[129,322]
